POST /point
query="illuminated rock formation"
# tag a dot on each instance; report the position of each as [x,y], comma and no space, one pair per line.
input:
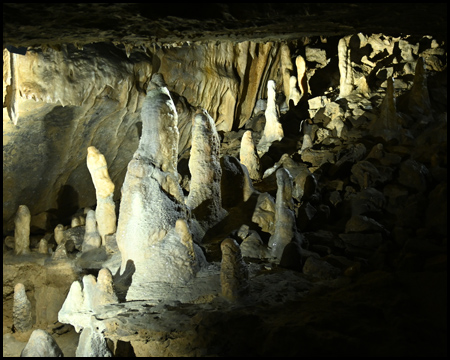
[233,271]
[273,131]
[249,156]
[92,239]
[285,228]
[41,344]
[204,197]
[152,201]
[43,247]
[92,344]
[301,75]
[345,68]
[294,94]
[22,309]
[59,234]
[105,212]
[22,230]
[286,71]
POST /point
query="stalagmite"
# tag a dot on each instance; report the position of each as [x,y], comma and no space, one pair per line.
[249,156]
[92,344]
[308,136]
[418,98]
[21,309]
[59,233]
[41,344]
[233,271]
[105,211]
[92,239]
[22,230]
[273,131]
[43,247]
[204,197]
[345,67]
[152,201]
[13,106]
[285,227]
[387,125]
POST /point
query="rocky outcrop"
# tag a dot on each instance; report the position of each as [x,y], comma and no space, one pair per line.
[22,309]
[22,230]
[41,344]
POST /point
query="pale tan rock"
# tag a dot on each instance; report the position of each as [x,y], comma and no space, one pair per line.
[22,230]
[204,197]
[41,344]
[287,69]
[294,93]
[105,211]
[264,213]
[59,233]
[92,239]
[301,75]
[345,67]
[92,344]
[285,227]
[76,221]
[249,156]
[21,309]
[104,290]
[233,271]
[43,246]
[273,131]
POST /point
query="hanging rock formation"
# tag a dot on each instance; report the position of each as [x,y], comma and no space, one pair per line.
[22,309]
[105,212]
[22,231]
[204,197]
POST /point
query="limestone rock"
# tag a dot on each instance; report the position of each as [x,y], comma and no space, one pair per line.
[204,197]
[59,233]
[294,93]
[286,71]
[361,223]
[233,271]
[365,174]
[22,230]
[92,239]
[301,78]
[264,213]
[92,344]
[285,226]
[273,131]
[41,344]
[252,246]
[413,175]
[21,309]
[43,247]
[105,212]
[236,185]
[345,70]
[249,156]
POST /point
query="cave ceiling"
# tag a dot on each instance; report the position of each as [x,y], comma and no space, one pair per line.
[36,24]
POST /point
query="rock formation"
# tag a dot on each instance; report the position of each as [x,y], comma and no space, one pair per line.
[92,344]
[22,309]
[41,344]
[294,94]
[273,131]
[105,212]
[92,239]
[249,156]
[301,75]
[233,271]
[285,230]
[204,197]
[59,234]
[22,230]
[152,200]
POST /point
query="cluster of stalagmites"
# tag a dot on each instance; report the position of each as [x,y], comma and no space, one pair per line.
[333,178]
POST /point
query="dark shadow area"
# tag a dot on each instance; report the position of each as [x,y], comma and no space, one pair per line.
[67,203]
[122,282]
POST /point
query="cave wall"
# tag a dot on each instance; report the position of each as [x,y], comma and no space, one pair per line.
[68,98]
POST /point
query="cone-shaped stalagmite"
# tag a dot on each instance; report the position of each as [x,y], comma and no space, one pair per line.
[152,201]
[249,156]
[21,309]
[204,197]
[22,230]
[105,211]
[233,271]
[285,227]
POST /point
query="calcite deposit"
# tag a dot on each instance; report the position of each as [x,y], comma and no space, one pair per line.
[233,191]
[105,211]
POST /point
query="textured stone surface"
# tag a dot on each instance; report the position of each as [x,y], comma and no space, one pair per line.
[41,344]
[22,230]
[233,271]
[22,309]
